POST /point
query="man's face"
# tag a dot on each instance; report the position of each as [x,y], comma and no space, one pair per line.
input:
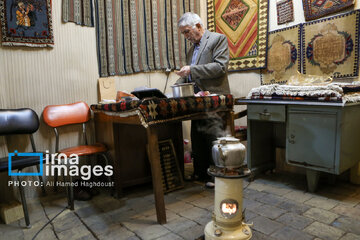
[192,34]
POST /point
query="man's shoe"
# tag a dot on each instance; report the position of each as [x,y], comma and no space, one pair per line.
[210,185]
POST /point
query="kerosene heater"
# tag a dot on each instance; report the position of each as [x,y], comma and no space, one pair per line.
[227,220]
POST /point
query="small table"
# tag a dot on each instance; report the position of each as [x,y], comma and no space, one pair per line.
[151,114]
[318,136]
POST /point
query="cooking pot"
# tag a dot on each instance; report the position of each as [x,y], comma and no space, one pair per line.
[183,90]
[228,152]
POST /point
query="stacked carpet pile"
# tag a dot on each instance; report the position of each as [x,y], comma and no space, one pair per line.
[333,92]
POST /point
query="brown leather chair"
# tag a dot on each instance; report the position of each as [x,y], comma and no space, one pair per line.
[68,114]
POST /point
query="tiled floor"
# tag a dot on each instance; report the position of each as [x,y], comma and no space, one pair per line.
[278,206]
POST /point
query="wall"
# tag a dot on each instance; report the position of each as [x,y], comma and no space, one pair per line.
[67,73]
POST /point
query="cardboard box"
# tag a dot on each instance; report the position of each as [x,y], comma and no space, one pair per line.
[11,212]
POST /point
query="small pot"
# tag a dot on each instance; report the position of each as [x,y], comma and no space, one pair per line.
[183,90]
[228,152]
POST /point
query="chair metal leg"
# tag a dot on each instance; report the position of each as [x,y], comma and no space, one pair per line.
[42,181]
[67,192]
[55,179]
[23,202]
[71,194]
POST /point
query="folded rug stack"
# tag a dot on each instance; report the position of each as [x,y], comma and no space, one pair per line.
[333,92]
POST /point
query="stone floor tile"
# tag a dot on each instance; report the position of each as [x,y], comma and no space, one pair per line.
[348,225]
[35,231]
[253,194]
[117,233]
[260,236]
[288,233]
[179,224]
[170,236]
[152,232]
[88,211]
[294,220]
[204,202]
[321,215]
[320,202]
[256,186]
[352,212]
[47,233]
[249,215]
[342,199]
[265,225]
[295,207]
[66,222]
[192,233]
[190,197]
[249,204]
[269,211]
[78,232]
[298,196]
[138,224]
[350,236]
[277,190]
[178,206]
[323,231]
[270,199]
[193,213]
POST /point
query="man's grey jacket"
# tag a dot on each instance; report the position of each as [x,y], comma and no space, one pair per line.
[210,69]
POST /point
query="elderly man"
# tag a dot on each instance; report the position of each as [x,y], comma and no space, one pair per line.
[207,61]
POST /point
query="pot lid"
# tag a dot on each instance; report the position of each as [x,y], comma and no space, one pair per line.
[227,139]
[183,84]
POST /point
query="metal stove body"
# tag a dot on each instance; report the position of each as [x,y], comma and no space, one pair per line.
[227,221]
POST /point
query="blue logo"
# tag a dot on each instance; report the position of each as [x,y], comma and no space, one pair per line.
[15,153]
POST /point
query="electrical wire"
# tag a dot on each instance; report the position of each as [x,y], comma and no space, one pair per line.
[48,223]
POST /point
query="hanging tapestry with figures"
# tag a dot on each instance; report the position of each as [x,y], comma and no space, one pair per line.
[331,46]
[140,36]
[314,9]
[245,23]
[26,23]
[283,60]
[78,11]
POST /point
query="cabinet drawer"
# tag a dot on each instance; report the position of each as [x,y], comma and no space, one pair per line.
[274,113]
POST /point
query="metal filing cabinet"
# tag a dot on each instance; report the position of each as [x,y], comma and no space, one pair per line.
[318,136]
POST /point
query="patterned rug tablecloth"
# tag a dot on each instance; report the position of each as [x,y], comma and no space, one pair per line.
[156,110]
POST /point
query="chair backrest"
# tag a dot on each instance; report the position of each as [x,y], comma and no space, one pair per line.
[65,114]
[18,121]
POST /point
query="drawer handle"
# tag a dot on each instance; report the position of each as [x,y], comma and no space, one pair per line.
[265,114]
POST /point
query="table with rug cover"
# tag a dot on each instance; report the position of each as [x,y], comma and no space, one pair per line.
[126,126]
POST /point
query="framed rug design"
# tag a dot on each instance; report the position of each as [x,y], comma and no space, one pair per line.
[285,11]
[245,23]
[78,11]
[314,9]
[331,46]
[26,23]
[283,59]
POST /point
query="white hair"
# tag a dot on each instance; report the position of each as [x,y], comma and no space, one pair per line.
[189,19]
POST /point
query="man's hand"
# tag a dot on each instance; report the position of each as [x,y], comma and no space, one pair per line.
[184,71]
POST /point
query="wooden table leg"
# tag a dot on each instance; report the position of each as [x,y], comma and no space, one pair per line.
[104,131]
[154,158]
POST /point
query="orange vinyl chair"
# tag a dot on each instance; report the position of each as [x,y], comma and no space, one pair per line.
[57,116]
